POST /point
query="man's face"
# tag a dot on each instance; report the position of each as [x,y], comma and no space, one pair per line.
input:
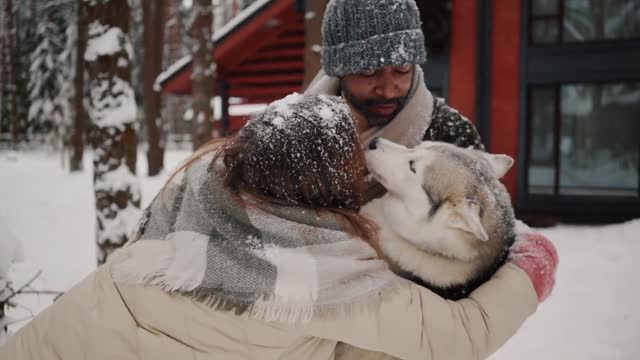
[380,94]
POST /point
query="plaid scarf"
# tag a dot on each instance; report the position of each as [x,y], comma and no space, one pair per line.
[276,262]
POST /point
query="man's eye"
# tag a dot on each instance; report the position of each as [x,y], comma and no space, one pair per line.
[412,166]
[368,73]
[403,69]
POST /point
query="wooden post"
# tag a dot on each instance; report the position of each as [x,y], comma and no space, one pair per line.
[153,20]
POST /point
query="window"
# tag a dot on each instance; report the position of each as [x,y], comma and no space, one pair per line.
[542,139]
[570,21]
[580,120]
[545,21]
[584,139]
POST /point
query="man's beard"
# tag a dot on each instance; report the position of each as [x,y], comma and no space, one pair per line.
[365,107]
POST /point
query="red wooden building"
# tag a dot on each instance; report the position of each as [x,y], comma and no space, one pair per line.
[552,83]
[259,56]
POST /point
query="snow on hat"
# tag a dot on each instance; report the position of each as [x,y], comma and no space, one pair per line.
[300,138]
[359,35]
[298,113]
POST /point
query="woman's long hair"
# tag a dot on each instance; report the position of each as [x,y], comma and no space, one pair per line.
[301,151]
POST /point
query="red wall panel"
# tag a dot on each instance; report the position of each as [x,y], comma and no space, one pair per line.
[462,73]
[505,83]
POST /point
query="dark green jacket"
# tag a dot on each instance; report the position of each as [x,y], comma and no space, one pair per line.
[448,125]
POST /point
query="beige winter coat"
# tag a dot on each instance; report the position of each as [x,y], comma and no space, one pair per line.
[99,319]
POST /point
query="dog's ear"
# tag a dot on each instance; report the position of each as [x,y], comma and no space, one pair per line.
[500,164]
[465,216]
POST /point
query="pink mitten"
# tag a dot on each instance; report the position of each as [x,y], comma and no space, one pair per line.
[536,255]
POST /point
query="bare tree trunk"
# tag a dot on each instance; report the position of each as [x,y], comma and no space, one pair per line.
[201,31]
[3,330]
[153,15]
[3,58]
[80,115]
[112,111]
[314,11]
[3,66]
[11,73]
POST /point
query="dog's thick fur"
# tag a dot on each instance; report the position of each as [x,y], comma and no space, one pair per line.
[446,221]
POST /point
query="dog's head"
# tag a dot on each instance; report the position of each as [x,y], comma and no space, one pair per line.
[440,190]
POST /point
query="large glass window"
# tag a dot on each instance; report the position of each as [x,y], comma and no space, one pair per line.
[585,139]
[541,155]
[569,21]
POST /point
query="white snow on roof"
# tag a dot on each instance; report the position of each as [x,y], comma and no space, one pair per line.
[176,66]
[242,16]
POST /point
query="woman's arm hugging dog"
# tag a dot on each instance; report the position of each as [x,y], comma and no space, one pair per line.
[446,221]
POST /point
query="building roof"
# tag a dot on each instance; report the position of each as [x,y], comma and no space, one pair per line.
[260,54]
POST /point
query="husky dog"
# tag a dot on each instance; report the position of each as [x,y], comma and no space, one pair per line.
[446,221]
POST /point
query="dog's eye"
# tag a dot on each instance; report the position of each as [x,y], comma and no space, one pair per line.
[412,166]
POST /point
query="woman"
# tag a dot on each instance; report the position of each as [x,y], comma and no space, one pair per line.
[254,250]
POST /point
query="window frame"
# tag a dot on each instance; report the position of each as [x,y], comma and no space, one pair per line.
[591,62]
[555,159]
[560,28]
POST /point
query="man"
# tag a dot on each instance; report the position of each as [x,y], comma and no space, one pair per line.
[371,56]
[372,51]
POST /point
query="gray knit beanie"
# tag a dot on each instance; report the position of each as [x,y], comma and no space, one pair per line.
[359,35]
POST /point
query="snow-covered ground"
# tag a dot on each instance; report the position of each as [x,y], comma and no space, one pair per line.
[51,212]
[590,316]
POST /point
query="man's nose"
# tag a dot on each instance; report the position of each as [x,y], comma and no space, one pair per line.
[386,86]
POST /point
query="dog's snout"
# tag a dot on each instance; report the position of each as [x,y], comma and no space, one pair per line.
[374,143]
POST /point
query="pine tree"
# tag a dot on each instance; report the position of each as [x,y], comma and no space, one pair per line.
[183,15]
[49,106]
[177,45]
[4,128]
[136,33]
[3,70]
[9,69]
[112,110]
[25,18]
[67,60]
